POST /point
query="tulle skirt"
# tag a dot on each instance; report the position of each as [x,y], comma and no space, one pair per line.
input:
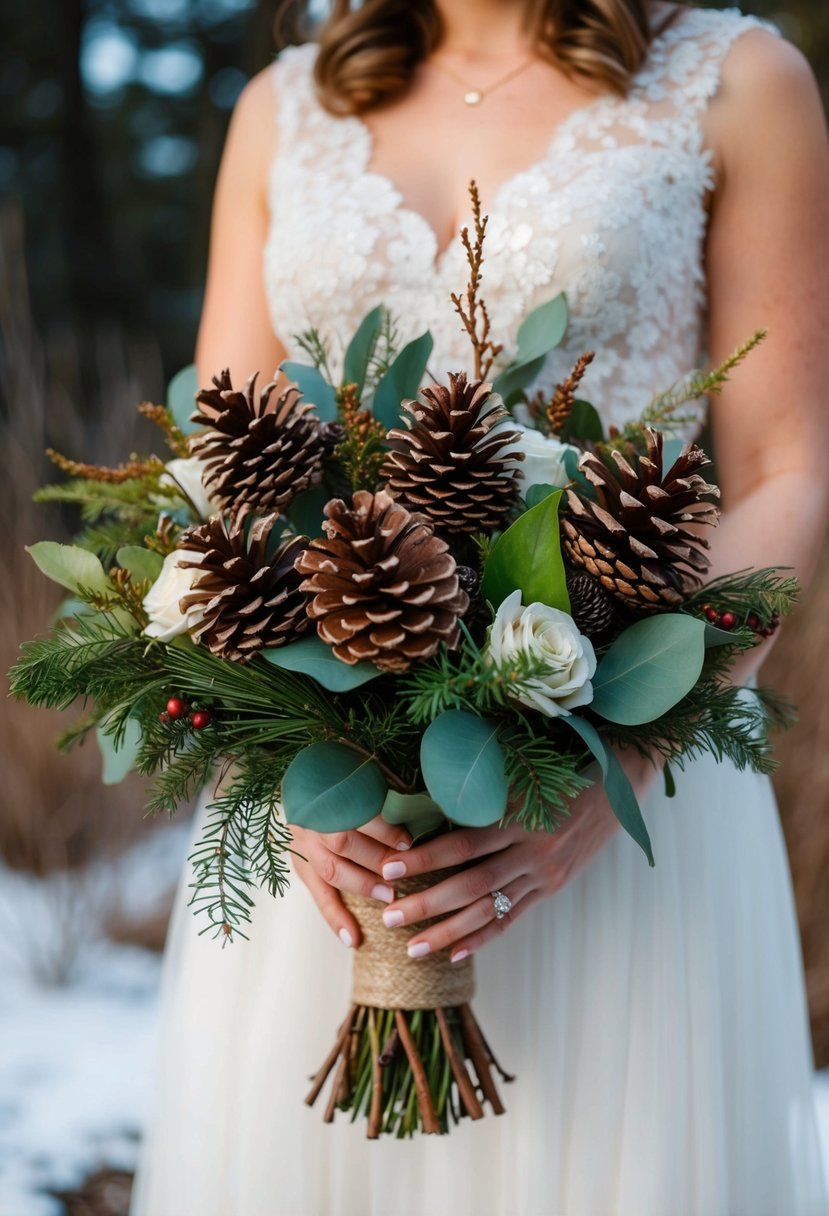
[655,1020]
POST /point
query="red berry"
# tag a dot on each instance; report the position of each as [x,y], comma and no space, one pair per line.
[177,708]
[164,717]
[753,621]
[727,621]
[712,614]
[199,719]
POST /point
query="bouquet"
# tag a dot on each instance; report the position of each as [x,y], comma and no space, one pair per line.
[449,603]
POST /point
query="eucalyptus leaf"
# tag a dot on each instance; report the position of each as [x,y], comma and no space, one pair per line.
[719,637]
[314,387]
[671,450]
[181,398]
[402,381]
[74,568]
[140,562]
[649,668]
[512,381]
[537,494]
[329,787]
[583,423]
[463,768]
[527,557]
[619,791]
[542,330]
[306,511]
[361,348]
[312,657]
[418,813]
[119,761]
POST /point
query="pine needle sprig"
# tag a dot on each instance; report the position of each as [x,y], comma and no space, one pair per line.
[542,780]
[382,353]
[765,593]
[316,348]
[472,308]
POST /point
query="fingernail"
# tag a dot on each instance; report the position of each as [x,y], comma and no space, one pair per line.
[394,869]
[403,845]
[459,956]
[383,893]
[418,949]
[392,918]
[346,938]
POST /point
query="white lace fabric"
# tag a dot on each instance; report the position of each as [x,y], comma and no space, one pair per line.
[614,215]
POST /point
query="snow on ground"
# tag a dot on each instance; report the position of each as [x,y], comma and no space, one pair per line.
[76,1057]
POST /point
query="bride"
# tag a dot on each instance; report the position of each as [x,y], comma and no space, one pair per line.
[667,168]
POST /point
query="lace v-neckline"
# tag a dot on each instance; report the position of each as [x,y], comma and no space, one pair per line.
[439,256]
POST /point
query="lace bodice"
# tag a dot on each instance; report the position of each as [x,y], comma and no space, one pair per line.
[613,215]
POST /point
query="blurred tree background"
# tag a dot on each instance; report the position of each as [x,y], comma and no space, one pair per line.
[112,119]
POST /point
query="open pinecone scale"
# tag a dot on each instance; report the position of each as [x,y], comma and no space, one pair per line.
[639,538]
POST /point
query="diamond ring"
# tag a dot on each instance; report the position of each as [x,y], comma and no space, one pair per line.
[502,904]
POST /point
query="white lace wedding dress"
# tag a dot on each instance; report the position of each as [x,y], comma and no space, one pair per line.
[655,1018]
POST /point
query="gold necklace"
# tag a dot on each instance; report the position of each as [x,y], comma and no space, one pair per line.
[474,96]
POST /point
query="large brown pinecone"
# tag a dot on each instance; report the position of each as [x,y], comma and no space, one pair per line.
[452,464]
[250,600]
[638,538]
[253,456]
[385,587]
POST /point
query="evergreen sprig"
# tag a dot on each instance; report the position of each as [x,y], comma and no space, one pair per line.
[766,593]
[542,779]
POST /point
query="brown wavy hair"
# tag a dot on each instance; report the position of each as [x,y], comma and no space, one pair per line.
[367,54]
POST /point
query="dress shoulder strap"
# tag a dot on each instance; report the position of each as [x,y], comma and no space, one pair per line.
[684,64]
[293,81]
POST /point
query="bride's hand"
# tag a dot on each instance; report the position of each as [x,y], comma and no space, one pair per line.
[525,866]
[346,861]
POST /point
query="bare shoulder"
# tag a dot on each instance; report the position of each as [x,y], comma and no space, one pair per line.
[768,104]
[250,147]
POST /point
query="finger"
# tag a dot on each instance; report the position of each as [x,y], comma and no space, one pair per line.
[359,848]
[453,932]
[330,904]
[393,835]
[468,945]
[458,891]
[338,871]
[450,849]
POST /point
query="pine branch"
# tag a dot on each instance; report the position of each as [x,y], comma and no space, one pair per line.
[316,348]
[766,593]
[542,780]
[382,353]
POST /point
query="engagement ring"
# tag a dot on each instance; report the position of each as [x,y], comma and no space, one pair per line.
[502,904]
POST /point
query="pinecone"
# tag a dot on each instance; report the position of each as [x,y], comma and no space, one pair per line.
[250,601]
[253,456]
[385,587]
[454,464]
[637,539]
[590,605]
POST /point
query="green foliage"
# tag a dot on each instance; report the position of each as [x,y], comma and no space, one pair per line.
[619,791]
[764,592]
[527,557]
[181,398]
[538,334]
[402,380]
[332,788]
[542,778]
[142,564]
[463,768]
[119,760]
[419,813]
[314,388]
[312,657]
[362,347]
[649,667]
[70,566]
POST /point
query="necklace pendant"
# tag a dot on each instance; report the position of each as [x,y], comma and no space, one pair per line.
[473,98]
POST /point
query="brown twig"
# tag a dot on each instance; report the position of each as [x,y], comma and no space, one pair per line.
[331,1059]
[99,472]
[478,1054]
[162,418]
[464,1082]
[424,1098]
[474,313]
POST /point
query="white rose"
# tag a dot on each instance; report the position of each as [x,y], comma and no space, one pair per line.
[543,463]
[550,638]
[186,474]
[162,601]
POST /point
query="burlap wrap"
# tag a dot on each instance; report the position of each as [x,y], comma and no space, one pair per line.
[386,978]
